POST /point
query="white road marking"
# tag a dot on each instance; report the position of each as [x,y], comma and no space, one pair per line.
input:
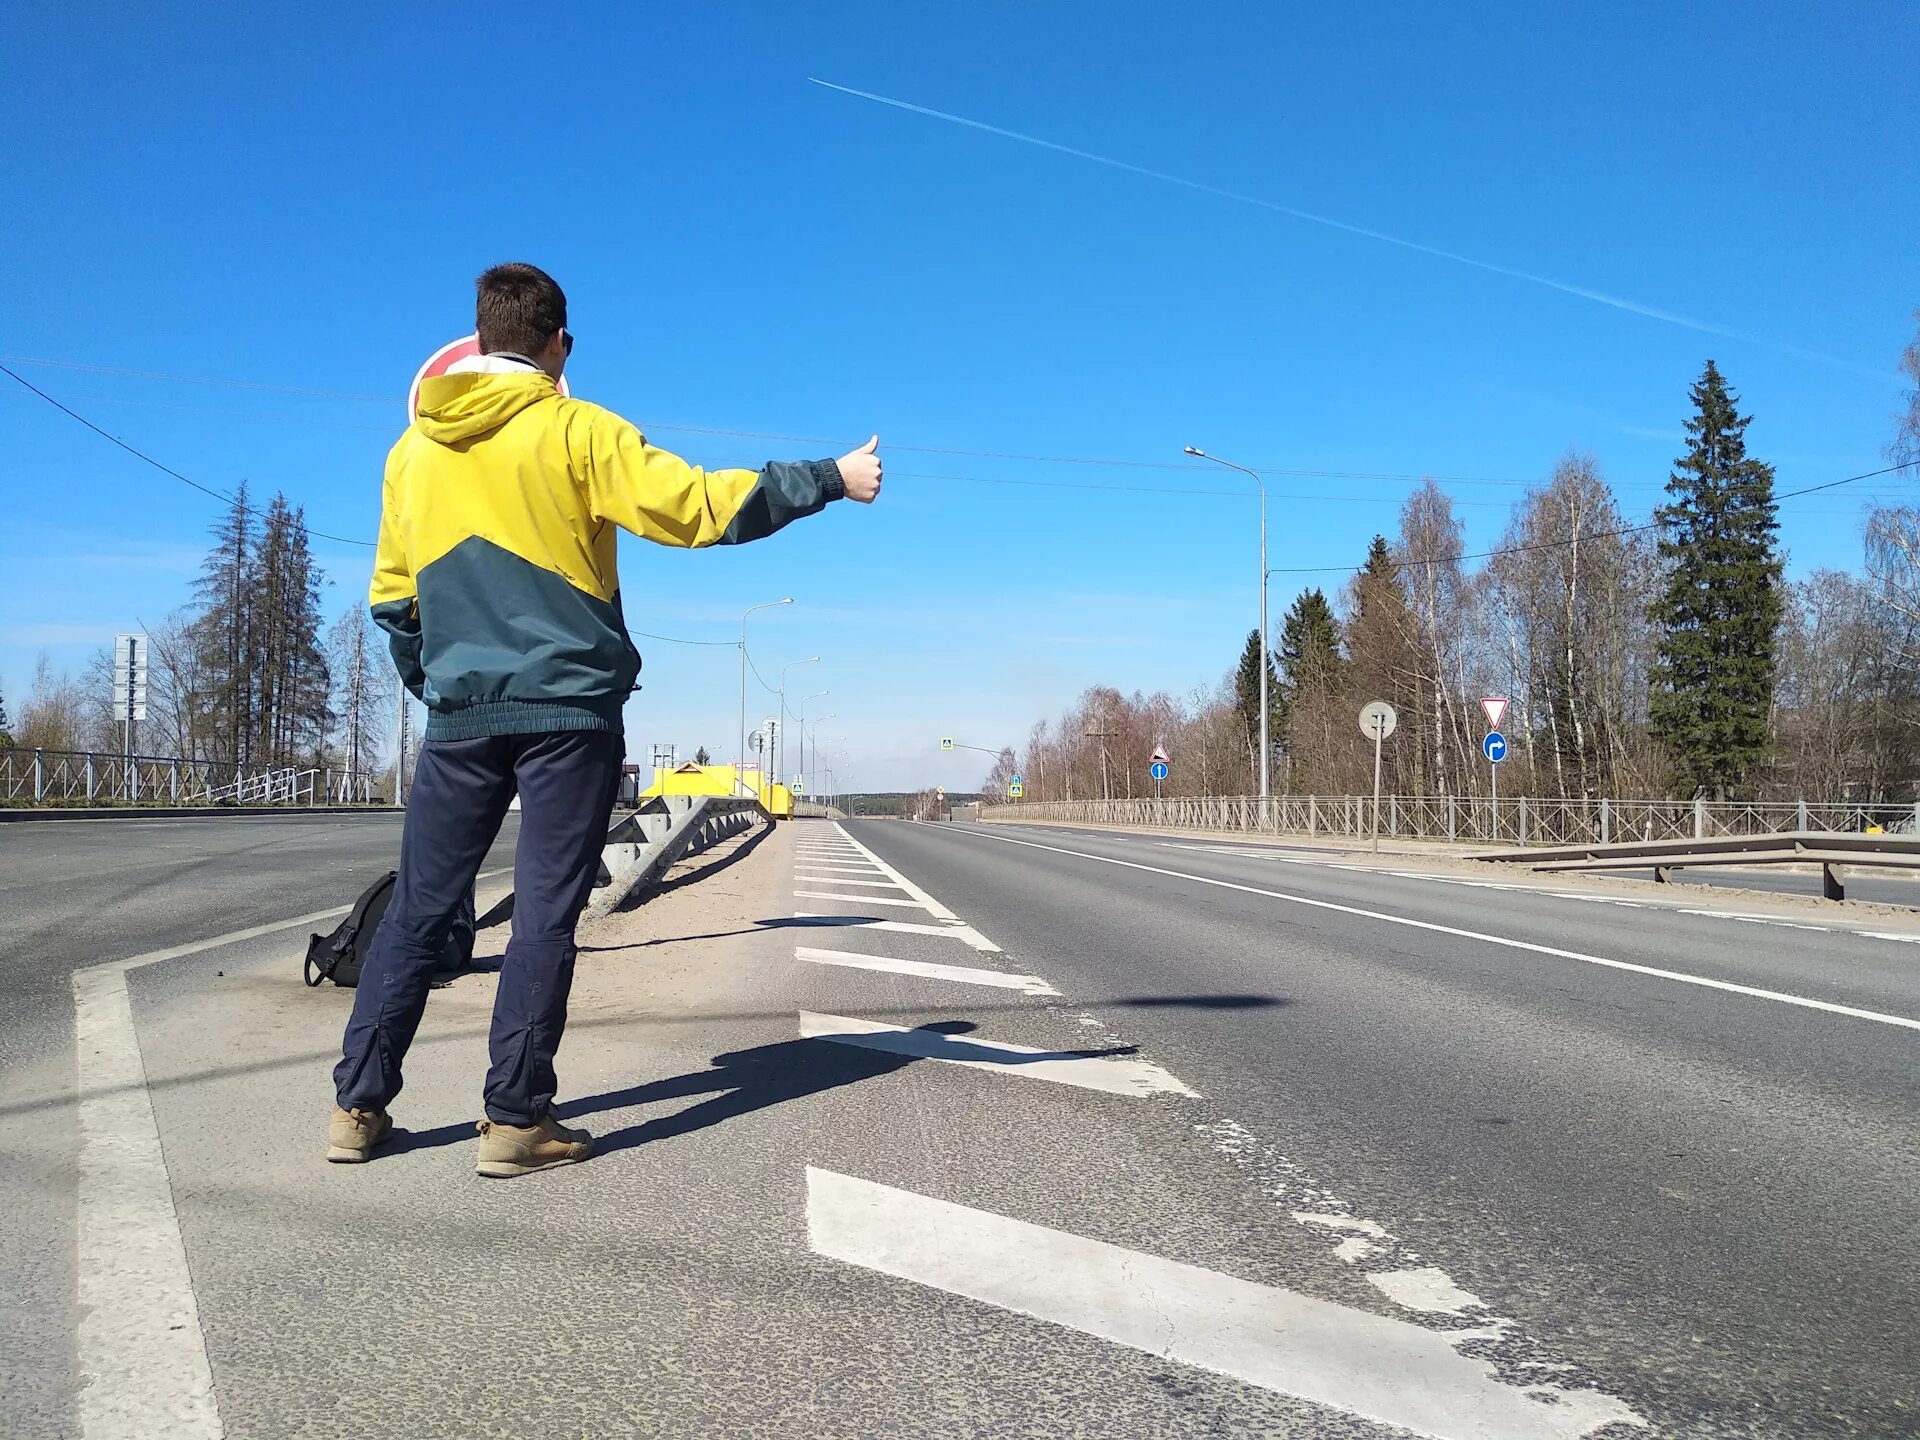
[964,933]
[933,906]
[1427,1289]
[860,865]
[1780,997]
[845,880]
[1392,1371]
[1112,1074]
[140,1352]
[966,975]
[858,899]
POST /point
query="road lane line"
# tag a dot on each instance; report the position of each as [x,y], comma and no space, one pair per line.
[140,1352]
[1112,1074]
[1393,1371]
[965,933]
[933,906]
[846,880]
[964,974]
[1780,997]
[859,899]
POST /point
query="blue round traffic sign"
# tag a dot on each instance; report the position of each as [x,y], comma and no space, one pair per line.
[1494,747]
[1159,769]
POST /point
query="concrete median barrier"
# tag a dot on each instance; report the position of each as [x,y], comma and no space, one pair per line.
[643,845]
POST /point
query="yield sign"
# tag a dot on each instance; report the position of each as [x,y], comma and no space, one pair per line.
[1496,708]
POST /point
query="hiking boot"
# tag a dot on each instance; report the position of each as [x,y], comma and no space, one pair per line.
[352,1134]
[509,1150]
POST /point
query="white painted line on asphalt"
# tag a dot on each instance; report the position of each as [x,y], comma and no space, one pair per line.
[964,933]
[844,880]
[966,975]
[1780,997]
[140,1352]
[1427,1289]
[1112,1074]
[933,906]
[859,899]
[1388,1370]
[142,1358]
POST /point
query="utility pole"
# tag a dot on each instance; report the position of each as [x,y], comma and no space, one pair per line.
[1106,785]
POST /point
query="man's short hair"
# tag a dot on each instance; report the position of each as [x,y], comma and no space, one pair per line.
[517,309]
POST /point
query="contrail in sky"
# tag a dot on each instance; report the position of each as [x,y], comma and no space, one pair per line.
[1598,297]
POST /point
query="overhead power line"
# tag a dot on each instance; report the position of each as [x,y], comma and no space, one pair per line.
[1573,539]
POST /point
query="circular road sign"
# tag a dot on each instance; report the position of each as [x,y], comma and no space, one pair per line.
[1494,747]
[1377,718]
[1159,769]
[443,360]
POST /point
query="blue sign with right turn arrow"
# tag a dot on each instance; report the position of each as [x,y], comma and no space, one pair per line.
[1494,747]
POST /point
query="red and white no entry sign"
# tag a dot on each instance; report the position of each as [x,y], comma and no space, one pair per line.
[443,360]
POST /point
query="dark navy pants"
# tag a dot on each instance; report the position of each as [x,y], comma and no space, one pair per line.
[566,781]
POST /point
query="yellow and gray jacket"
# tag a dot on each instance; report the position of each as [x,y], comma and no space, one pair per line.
[495,575]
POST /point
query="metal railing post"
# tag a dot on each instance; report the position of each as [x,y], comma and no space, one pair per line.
[89,778]
[1453,817]
[1523,819]
[1606,822]
[1699,817]
[39,776]
[176,781]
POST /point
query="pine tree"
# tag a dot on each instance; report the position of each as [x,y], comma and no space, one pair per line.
[1720,611]
[364,689]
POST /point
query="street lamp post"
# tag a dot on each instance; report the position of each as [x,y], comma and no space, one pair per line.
[740,762]
[780,734]
[801,710]
[1266,747]
[818,721]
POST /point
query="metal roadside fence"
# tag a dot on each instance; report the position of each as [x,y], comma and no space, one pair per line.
[1512,820]
[70,777]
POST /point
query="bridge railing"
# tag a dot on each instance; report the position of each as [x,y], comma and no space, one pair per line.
[81,777]
[1512,820]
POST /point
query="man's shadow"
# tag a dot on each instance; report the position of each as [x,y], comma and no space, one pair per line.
[743,1081]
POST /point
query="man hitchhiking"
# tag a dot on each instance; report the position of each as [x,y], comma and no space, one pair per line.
[495,582]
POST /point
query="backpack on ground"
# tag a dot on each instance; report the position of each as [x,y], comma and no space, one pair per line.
[339,955]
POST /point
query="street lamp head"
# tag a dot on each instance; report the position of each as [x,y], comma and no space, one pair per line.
[1196,450]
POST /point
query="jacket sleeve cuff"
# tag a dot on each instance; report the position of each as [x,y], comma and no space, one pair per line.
[827,472]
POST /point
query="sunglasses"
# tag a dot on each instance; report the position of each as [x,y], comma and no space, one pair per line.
[566,342]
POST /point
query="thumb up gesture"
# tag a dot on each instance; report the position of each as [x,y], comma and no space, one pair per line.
[860,472]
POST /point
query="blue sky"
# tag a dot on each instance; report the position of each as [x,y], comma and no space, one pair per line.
[234,194]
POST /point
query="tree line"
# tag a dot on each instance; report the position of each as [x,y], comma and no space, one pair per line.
[242,676]
[1668,658]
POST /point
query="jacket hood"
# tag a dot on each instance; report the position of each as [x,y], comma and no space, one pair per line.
[460,407]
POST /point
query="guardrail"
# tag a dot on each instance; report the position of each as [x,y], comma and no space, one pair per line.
[1519,820]
[1826,849]
[641,846]
[67,777]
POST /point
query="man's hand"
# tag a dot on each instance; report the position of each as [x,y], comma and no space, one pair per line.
[860,472]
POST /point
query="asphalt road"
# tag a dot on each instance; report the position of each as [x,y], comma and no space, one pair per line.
[918,1130]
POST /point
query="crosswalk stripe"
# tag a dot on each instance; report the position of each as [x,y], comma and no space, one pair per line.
[1384,1369]
[932,906]
[964,974]
[846,880]
[964,933]
[859,899]
[1114,1075]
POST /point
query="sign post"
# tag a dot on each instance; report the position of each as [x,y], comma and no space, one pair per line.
[1377,718]
[1494,747]
[130,662]
[1159,767]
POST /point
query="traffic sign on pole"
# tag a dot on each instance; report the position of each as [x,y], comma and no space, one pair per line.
[467,347]
[1160,756]
[1159,769]
[1496,708]
[946,742]
[1378,720]
[1494,747]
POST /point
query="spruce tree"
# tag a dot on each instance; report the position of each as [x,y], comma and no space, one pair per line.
[223,632]
[1720,608]
[6,728]
[1309,650]
[1246,697]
